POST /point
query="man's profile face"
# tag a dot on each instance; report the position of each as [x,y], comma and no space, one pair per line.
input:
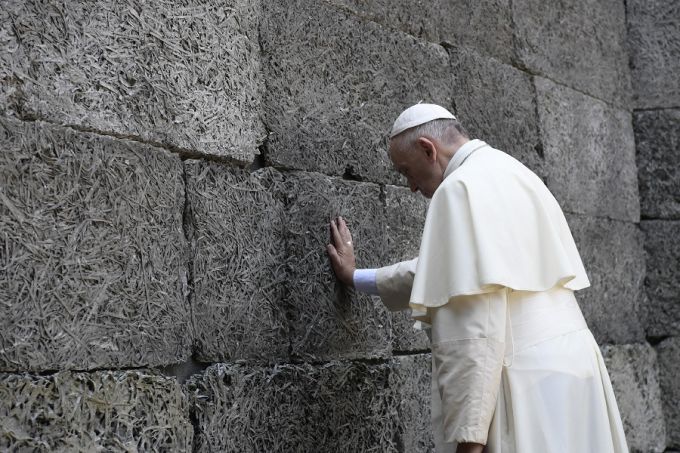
[417,165]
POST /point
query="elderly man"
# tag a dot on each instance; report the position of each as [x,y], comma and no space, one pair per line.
[515,367]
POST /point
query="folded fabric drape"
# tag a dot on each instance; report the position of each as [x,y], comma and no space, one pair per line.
[492,223]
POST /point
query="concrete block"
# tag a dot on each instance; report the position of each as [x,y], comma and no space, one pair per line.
[338,405]
[497,103]
[589,150]
[239,273]
[100,411]
[613,256]
[657,137]
[668,353]
[406,213]
[405,220]
[662,282]
[93,252]
[460,23]
[411,382]
[328,320]
[184,74]
[336,84]
[581,44]
[633,372]
[405,338]
[654,46]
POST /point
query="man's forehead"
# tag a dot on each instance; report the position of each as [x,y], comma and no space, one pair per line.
[394,148]
[398,154]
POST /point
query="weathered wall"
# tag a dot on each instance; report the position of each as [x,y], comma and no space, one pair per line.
[654,43]
[169,169]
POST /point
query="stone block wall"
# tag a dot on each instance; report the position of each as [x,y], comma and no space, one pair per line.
[169,170]
[654,46]
[94,255]
[94,411]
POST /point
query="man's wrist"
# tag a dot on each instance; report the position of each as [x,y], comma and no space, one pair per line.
[350,280]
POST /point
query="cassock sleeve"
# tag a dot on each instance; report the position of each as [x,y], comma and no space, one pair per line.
[364,281]
[394,284]
[468,344]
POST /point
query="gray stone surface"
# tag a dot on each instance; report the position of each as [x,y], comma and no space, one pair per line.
[460,22]
[633,372]
[353,406]
[580,43]
[94,258]
[185,74]
[589,150]
[662,283]
[668,353]
[238,246]
[329,321]
[405,213]
[654,49]
[657,137]
[113,411]
[335,84]
[405,219]
[613,256]
[497,103]
[411,382]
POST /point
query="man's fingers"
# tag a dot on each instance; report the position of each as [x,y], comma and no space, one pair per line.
[342,228]
[344,231]
[335,234]
[333,255]
[343,225]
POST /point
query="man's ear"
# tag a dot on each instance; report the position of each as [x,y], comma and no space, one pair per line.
[428,147]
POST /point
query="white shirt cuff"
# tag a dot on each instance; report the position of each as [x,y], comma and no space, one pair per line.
[365,282]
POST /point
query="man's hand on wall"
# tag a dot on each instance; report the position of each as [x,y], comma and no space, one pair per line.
[341,252]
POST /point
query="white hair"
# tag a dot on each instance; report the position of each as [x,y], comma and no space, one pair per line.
[440,129]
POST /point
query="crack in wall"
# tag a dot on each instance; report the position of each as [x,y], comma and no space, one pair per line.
[183,153]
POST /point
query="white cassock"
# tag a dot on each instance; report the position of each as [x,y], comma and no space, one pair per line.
[514,364]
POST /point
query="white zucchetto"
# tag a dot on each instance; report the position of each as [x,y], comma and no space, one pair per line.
[417,115]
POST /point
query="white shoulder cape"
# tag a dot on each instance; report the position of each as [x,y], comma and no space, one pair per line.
[492,223]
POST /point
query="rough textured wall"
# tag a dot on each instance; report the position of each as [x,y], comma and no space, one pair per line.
[654,46]
[169,169]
